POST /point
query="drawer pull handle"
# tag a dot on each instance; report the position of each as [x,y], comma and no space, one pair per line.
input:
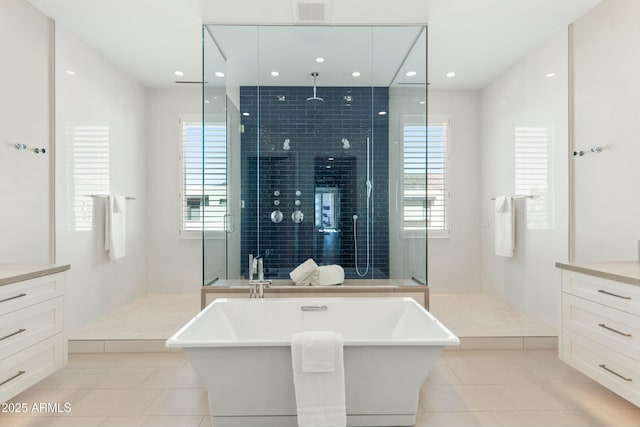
[19,331]
[602,325]
[602,291]
[603,366]
[10,298]
[13,377]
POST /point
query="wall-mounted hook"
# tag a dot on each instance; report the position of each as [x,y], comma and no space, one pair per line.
[594,150]
[21,146]
[40,150]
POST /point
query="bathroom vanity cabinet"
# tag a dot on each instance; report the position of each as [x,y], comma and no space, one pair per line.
[600,332]
[32,339]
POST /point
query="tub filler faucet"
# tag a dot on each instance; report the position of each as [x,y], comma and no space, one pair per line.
[256,287]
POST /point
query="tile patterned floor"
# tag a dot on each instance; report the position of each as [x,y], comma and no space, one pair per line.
[498,388]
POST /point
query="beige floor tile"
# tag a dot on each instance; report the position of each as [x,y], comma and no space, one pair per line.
[556,372]
[183,377]
[441,398]
[499,357]
[586,396]
[115,402]
[442,374]
[456,419]
[153,360]
[58,379]
[455,357]
[456,398]
[152,421]
[94,360]
[491,374]
[615,417]
[561,418]
[483,398]
[108,378]
[57,421]
[180,402]
[530,397]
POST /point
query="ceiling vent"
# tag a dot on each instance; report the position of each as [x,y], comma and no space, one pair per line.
[311,11]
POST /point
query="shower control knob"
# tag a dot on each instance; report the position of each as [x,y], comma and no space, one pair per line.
[276,193]
[298,193]
[276,203]
[297,217]
[297,202]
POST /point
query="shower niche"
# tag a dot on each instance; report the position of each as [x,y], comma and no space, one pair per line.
[314,140]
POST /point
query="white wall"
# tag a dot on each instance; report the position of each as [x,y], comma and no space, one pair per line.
[98,96]
[607,89]
[454,263]
[523,97]
[25,184]
[174,262]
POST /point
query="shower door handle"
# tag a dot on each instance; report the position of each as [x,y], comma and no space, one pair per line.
[228,223]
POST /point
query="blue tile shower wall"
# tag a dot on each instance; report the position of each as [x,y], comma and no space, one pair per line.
[316,158]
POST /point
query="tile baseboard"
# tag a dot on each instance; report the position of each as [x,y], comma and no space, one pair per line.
[466,343]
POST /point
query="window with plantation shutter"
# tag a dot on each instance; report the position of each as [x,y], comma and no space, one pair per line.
[425,186]
[204,176]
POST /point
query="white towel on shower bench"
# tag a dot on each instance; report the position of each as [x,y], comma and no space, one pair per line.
[318,378]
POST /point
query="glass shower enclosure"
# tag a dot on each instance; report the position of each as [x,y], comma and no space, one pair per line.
[307,153]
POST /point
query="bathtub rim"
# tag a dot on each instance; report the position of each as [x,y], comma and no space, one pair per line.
[176,342]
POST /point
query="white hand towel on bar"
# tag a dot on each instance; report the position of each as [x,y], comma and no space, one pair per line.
[115,230]
[318,378]
[306,273]
[504,225]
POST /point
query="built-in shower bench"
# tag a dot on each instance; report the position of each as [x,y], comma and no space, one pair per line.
[350,288]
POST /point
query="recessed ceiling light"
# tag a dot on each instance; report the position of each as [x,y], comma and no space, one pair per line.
[246,114]
[451,74]
[550,74]
[382,113]
[178,73]
[71,73]
[410,73]
[219,74]
[319,59]
[356,74]
[275,73]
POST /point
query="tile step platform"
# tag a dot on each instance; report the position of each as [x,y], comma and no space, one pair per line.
[466,343]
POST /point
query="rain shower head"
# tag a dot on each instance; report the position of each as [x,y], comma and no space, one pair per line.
[315,99]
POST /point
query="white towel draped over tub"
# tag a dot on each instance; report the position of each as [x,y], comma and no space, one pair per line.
[504,225]
[318,377]
[115,227]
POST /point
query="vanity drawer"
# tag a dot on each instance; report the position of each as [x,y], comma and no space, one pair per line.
[613,370]
[603,291]
[22,328]
[608,326]
[28,292]
[22,370]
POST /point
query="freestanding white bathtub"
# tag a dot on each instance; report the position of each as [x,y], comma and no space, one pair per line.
[241,349]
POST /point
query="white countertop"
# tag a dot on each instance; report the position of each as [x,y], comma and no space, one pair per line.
[620,271]
[12,273]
